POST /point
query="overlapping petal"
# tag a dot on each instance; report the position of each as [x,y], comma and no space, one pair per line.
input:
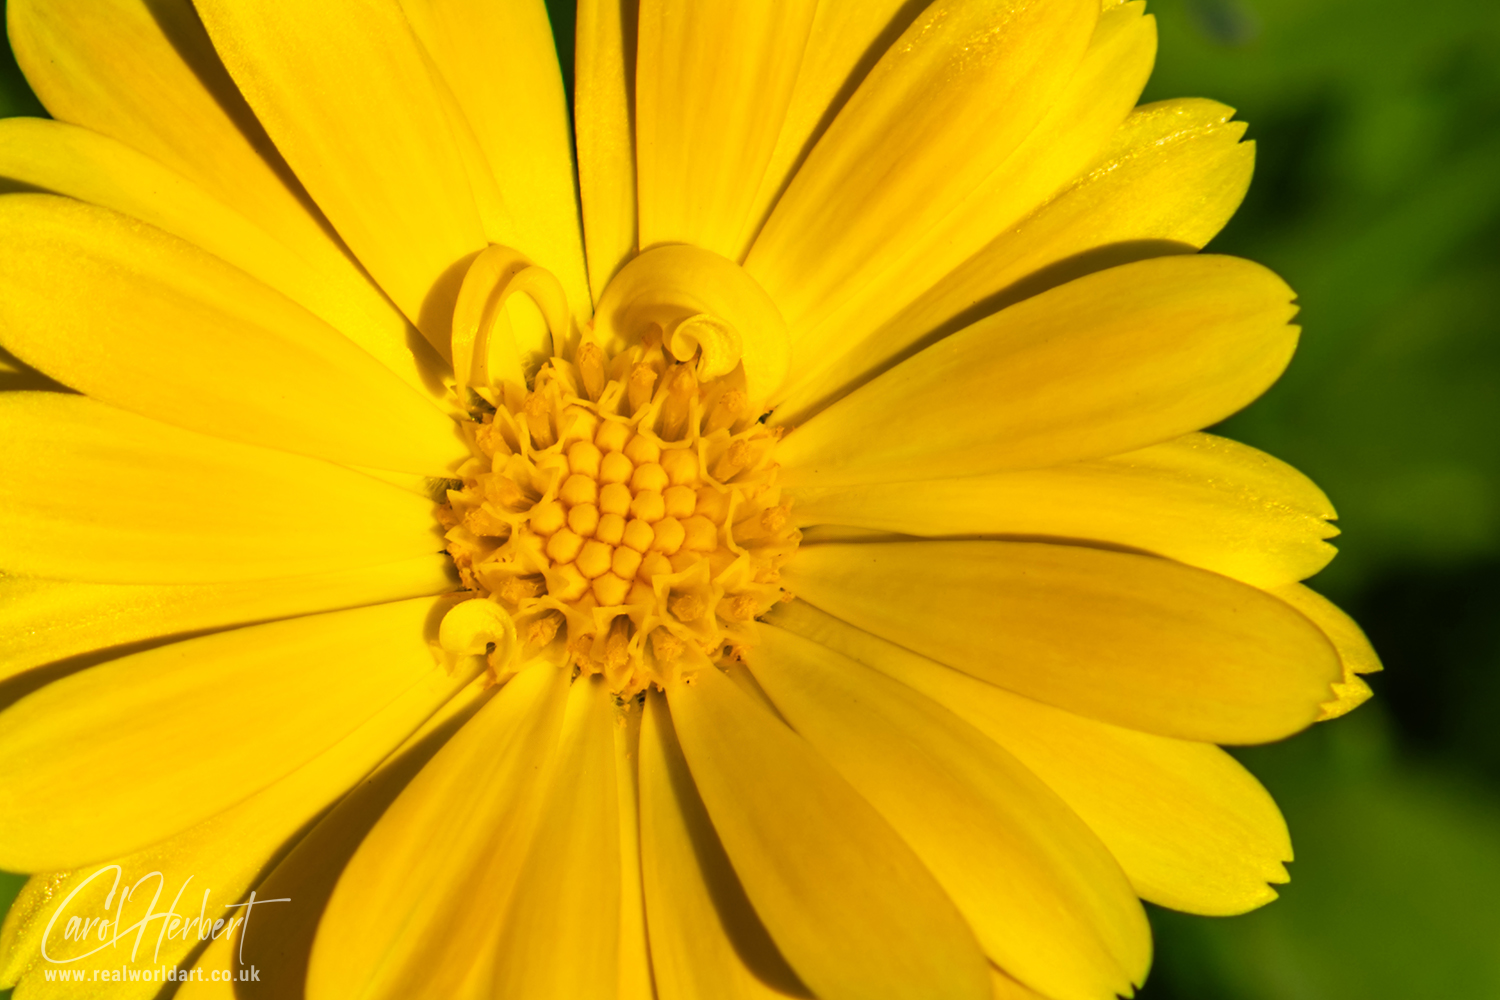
[144,72]
[1108,363]
[705,937]
[349,96]
[1130,639]
[1189,825]
[80,163]
[848,903]
[142,502]
[837,341]
[1202,500]
[145,321]
[279,951]
[712,85]
[418,906]
[1043,896]
[1355,652]
[225,856]
[570,877]
[152,741]
[42,620]
[498,62]
[1170,177]
[942,109]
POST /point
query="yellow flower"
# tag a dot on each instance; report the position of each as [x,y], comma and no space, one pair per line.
[848,605]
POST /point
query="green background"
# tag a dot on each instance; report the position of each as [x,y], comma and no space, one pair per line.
[1377,195]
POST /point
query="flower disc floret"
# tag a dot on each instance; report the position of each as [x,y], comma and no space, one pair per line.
[625,512]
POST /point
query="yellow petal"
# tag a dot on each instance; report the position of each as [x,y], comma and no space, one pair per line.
[635,981]
[1045,898]
[1191,827]
[1170,178]
[348,96]
[949,101]
[1202,500]
[1355,652]
[222,857]
[1079,122]
[845,40]
[145,73]
[705,938]
[1111,362]
[1005,988]
[94,493]
[499,61]
[142,320]
[42,621]
[570,879]
[408,919]
[1129,639]
[713,82]
[604,105]
[143,743]
[279,948]
[91,167]
[848,903]
[674,286]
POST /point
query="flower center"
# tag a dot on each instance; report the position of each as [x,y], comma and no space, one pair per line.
[623,510]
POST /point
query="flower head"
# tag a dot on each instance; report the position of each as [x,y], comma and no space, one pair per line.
[787,564]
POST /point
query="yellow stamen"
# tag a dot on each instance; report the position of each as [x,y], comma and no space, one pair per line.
[590,363]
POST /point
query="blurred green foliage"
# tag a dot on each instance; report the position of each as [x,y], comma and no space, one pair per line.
[1378,197]
[15,97]
[1393,893]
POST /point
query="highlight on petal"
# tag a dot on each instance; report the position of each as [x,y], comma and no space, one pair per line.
[1100,93]
[111,759]
[67,160]
[1202,500]
[349,97]
[1129,639]
[706,939]
[97,494]
[499,62]
[1111,362]
[1170,178]
[570,878]
[1190,826]
[279,950]
[635,980]
[604,107]
[1355,652]
[417,908]
[846,901]
[845,40]
[1045,898]
[712,85]
[224,856]
[142,320]
[42,621]
[948,102]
